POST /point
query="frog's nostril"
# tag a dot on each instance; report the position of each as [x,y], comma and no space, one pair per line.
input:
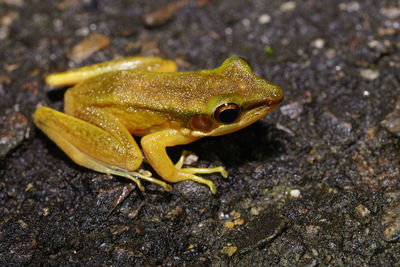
[275,97]
[277,94]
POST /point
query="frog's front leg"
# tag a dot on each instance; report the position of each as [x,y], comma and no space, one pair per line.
[154,147]
[110,149]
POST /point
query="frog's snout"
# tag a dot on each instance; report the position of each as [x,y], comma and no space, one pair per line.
[276,96]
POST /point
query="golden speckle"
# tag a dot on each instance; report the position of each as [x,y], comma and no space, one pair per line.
[229,224]
[229,250]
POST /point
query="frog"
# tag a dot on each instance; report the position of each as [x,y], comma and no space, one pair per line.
[146,97]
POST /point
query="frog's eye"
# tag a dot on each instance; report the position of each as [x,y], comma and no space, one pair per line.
[227,113]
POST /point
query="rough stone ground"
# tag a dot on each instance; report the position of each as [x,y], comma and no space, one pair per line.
[335,138]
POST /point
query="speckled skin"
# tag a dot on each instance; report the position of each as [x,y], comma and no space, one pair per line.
[150,101]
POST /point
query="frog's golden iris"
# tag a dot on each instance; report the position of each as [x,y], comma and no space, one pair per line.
[144,96]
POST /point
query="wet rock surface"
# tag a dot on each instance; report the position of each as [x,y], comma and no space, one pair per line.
[316,182]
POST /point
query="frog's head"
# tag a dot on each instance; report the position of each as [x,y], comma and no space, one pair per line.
[236,98]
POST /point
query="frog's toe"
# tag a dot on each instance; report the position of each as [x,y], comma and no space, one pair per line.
[166,186]
[132,178]
[145,172]
[144,175]
[201,180]
[223,172]
[219,169]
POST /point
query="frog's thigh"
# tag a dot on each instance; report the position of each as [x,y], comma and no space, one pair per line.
[154,147]
[131,63]
[88,145]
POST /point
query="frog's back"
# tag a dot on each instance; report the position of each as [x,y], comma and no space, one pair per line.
[144,101]
[174,92]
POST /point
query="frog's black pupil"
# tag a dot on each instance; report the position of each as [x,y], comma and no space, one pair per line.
[227,113]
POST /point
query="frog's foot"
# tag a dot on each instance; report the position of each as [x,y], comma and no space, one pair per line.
[181,160]
[183,175]
[189,173]
[142,174]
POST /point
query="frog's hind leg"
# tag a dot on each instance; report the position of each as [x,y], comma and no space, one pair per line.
[111,151]
[130,63]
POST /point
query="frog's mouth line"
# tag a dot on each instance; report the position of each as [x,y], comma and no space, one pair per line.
[251,115]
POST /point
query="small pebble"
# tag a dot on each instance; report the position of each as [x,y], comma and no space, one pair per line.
[135,212]
[264,19]
[228,31]
[318,43]
[391,12]
[23,224]
[163,14]
[288,6]
[314,252]
[246,22]
[17,3]
[4,33]
[362,211]
[295,193]
[236,215]
[45,211]
[117,229]
[369,74]
[313,229]
[5,23]
[330,53]
[83,31]
[223,216]
[293,110]
[392,120]
[386,31]
[350,6]
[88,46]
[254,211]
[190,158]
[125,192]
[29,187]
[392,123]
[174,213]
[382,46]
[391,223]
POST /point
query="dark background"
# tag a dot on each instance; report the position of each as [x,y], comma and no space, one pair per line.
[335,137]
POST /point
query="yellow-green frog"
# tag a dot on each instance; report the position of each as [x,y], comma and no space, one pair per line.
[144,96]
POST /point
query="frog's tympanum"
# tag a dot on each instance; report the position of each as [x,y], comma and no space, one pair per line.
[144,96]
